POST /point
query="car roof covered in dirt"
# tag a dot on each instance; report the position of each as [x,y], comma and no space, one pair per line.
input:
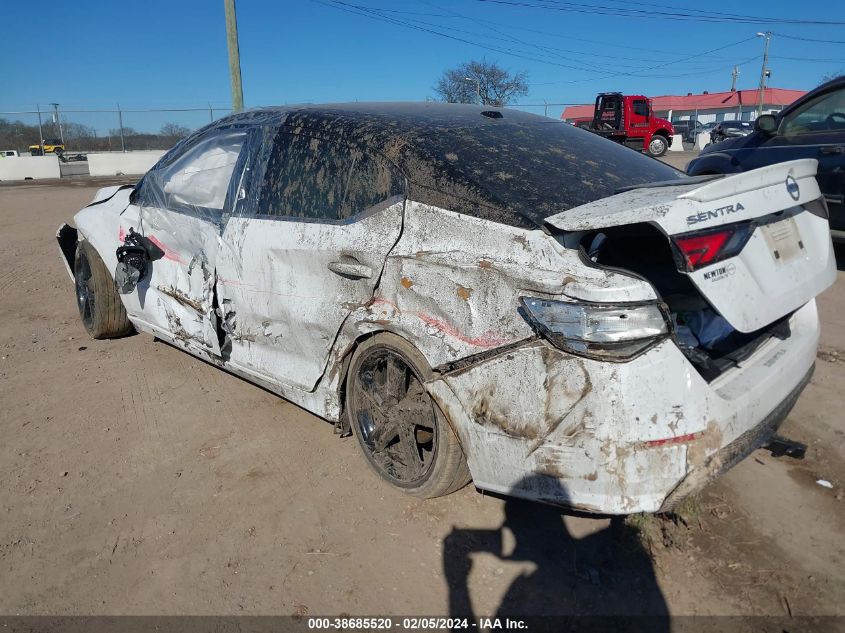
[498,164]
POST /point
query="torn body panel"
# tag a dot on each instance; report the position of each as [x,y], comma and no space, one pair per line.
[452,282]
[615,438]
[177,294]
[287,288]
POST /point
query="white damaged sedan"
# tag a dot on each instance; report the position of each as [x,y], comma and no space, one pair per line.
[475,294]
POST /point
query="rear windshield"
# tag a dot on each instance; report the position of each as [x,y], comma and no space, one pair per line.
[527,171]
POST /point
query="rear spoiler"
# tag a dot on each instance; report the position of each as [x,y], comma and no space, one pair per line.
[670,204]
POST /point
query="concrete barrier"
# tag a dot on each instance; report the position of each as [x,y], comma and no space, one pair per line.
[677,143]
[119,163]
[702,139]
[26,167]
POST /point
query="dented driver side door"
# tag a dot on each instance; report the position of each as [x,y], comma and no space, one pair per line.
[182,208]
[304,248]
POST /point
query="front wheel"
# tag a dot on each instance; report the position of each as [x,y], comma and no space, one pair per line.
[403,435]
[658,145]
[100,307]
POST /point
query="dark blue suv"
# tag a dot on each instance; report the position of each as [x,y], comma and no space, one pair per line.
[812,127]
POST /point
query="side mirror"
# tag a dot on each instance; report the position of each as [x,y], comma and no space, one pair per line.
[766,123]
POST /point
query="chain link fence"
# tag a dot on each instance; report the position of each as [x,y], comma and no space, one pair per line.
[125,129]
[98,130]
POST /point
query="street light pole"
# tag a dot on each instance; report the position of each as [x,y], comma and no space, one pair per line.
[768,36]
[234,56]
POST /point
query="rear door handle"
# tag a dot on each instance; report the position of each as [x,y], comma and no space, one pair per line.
[350,270]
[837,149]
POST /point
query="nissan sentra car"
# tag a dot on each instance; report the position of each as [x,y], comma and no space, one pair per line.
[474,293]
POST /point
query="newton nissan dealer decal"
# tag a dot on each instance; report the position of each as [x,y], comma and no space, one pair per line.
[720,273]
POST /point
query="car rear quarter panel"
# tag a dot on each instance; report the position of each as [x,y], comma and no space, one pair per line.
[452,283]
[612,437]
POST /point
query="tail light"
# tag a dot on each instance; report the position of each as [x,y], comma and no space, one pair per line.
[600,331]
[702,248]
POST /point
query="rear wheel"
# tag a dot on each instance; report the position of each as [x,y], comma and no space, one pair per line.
[658,145]
[100,307]
[403,435]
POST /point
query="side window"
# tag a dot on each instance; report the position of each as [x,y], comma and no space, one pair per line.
[641,107]
[307,177]
[196,180]
[827,113]
[372,182]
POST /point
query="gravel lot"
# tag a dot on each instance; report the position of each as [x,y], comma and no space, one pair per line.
[135,479]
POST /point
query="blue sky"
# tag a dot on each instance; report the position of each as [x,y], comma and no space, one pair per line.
[95,53]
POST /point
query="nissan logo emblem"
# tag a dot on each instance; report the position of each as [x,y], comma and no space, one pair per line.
[792,188]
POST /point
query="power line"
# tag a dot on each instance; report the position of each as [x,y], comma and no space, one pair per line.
[809,39]
[375,14]
[555,51]
[582,53]
[567,36]
[572,7]
[830,60]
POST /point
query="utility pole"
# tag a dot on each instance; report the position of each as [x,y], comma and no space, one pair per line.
[120,122]
[768,36]
[40,131]
[58,121]
[734,75]
[234,56]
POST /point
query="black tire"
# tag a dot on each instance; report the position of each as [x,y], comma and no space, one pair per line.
[384,388]
[100,308]
[658,145]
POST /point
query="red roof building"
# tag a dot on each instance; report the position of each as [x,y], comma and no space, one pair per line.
[708,106]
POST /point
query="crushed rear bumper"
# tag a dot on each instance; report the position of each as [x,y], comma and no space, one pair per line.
[729,456]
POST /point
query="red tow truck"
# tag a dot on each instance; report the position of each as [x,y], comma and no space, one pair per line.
[628,119]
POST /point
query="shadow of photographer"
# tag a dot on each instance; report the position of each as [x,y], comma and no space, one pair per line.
[607,573]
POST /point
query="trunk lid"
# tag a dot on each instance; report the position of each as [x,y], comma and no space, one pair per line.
[785,262]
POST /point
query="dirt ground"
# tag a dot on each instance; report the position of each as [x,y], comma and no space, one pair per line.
[135,479]
[679,160]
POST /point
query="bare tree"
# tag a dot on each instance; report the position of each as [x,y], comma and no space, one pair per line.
[127,131]
[488,83]
[78,130]
[174,130]
[832,76]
